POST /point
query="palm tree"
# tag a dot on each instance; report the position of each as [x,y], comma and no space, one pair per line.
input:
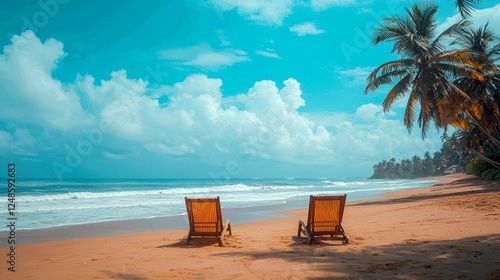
[483,104]
[428,167]
[426,69]
[438,163]
[482,109]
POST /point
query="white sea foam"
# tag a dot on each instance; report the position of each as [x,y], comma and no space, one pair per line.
[42,204]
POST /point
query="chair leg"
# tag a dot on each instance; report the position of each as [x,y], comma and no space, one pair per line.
[305,231]
[345,239]
[229,227]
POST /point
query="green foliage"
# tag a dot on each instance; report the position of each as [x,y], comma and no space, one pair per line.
[491,174]
[426,68]
[452,153]
[480,167]
[453,78]
[477,166]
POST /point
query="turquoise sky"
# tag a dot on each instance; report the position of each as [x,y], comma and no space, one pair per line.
[213,88]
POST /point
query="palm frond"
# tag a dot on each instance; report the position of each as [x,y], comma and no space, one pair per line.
[455,31]
[466,7]
[424,19]
[456,71]
[398,91]
[469,58]
[410,111]
[385,79]
[391,66]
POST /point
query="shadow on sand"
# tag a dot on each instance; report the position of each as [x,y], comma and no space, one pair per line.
[470,258]
[457,185]
[123,276]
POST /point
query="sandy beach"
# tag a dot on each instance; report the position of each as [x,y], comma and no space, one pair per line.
[450,230]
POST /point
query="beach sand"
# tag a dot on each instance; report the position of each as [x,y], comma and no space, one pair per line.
[450,230]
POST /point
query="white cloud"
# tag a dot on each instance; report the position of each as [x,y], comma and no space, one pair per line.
[371,135]
[262,11]
[369,111]
[20,142]
[320,5]
[354,76]
[479,18]
[114,156]
[203,56]
[268,53]
[306,28]
[195,122]
[29,93]
[273,12]
[198,85]
[222,38]
[198,121]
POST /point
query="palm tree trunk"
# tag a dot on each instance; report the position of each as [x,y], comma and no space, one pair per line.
[483,157]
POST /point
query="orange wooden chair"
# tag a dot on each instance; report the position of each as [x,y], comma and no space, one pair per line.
[325,218]
[205,220]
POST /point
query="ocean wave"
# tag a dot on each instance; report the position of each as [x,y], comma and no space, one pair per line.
[101,205]
[58,203]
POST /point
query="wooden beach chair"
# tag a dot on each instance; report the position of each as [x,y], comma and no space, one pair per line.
[205,220]
[325,218]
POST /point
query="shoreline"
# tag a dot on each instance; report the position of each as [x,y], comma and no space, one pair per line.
[238,216]
[446,230]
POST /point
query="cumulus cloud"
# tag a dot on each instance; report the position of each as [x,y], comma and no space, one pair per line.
[195,122]
[198,121]
[203,56]
[269,125]
[371,135]
[262,11]
[29,94]
[306,28]
[369,111]
[19,142]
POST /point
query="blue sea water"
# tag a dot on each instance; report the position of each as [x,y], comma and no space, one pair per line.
[51,203]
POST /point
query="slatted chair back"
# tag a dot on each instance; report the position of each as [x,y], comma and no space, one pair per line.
[204,215]
[325,214]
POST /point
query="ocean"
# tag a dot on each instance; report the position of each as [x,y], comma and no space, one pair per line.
[52,203]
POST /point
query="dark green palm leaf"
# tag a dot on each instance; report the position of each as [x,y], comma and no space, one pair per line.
[466,7]
[385,79]
[398,91]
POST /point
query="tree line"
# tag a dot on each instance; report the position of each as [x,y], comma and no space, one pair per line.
[452,152]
